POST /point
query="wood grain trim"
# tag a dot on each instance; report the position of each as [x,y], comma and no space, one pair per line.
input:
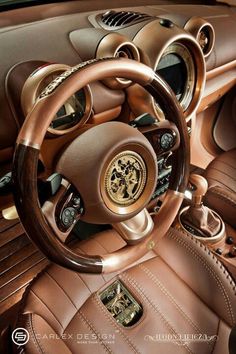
[26,159]
[35,224]
[173,112]
[59,90]
[20,261]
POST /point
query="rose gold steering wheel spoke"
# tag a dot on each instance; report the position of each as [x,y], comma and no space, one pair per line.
[135,229]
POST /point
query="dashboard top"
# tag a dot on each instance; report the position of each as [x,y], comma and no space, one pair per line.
[44,34]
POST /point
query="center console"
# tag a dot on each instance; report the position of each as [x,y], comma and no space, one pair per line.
[164,172]
[206,225]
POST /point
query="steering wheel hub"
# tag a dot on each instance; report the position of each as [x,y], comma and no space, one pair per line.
[111,177]
[125,178]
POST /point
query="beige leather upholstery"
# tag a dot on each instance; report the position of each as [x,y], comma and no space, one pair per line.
[221,195]
[183,288]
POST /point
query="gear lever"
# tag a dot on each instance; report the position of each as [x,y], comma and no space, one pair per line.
[200,187]
[198,219]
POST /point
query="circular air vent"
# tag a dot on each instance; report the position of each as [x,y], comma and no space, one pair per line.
[128,51]
[118,46]
[204,33]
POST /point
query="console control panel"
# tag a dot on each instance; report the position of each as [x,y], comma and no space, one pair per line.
[162,140]
[69,210]
[164,172]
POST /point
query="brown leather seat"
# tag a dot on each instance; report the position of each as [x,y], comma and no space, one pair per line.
[221,195]
[188,300]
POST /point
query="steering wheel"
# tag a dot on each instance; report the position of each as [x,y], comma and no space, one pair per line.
[109,171]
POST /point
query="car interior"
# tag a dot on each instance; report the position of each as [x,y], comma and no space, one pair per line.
[117,177]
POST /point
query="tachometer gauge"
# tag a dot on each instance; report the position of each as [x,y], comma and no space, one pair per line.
[176,67]
[74,112]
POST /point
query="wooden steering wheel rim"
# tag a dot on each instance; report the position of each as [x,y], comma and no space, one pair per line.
[28,146]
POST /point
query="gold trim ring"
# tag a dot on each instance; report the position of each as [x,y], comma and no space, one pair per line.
[125,178]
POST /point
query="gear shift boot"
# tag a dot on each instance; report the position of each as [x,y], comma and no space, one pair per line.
[197,219]
[202,219]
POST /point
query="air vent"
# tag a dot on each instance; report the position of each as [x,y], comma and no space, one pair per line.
[203,32]
[117,45]
[122,18]
[205,39]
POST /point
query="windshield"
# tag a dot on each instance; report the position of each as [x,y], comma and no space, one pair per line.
[12,4]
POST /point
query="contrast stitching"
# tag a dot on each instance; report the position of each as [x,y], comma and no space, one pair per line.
[214,179]
[88,323]
[223,196]
[46,307]
[223,162]
[223,173]
[83,282]
[82,251]
[99,243]
[32,332]
[141,291]
[113,323]
[214,342]
[171,298]
[210,271]
[61,289]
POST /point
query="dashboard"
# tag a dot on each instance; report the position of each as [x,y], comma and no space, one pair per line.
[184,44]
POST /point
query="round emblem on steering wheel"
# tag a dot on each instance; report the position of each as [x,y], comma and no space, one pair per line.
[125,178]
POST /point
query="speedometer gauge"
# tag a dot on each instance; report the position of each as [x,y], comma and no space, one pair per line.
[176,67]
[74,112]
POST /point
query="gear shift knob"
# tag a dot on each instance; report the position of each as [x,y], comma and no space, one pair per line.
[201,186]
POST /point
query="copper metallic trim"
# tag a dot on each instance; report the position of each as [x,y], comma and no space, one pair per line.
[112,45]
[28,143]
[125,178]
[183,52]
[195,26]
[213,239]
[131,253]
[163,38]
[148,189]
[220,69]
[196,71]
[34,129]
[180,194]
[201,185]
[136,228]
[36,83]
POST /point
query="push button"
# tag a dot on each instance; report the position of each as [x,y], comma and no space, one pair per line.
[229,240]
[68,216]
[166,141]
